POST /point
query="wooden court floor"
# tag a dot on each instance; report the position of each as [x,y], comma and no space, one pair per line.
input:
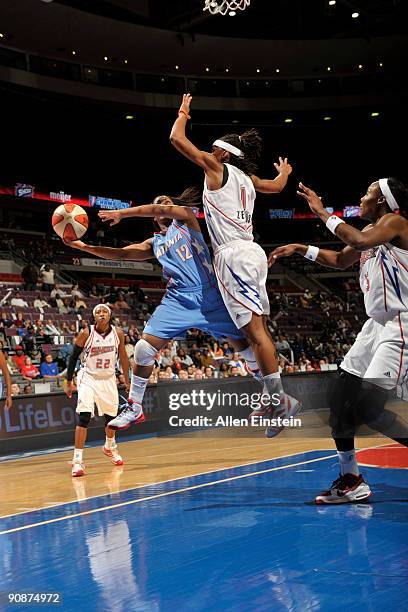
[45,480]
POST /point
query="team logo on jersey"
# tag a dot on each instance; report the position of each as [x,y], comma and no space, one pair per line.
[101,350]
[392,275]
[246,290]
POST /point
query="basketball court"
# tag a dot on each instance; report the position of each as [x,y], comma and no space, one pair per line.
[206,523]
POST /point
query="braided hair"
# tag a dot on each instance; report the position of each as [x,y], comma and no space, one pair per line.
[250,143]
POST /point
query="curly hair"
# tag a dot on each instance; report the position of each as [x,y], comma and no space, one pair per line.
[250,143]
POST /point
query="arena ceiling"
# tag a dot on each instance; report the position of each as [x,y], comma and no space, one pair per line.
[269,19]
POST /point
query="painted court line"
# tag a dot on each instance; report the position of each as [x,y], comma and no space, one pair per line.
[154,484]
[165,494]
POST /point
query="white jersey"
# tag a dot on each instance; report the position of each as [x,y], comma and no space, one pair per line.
[228,211]
[100,353]
[384,280]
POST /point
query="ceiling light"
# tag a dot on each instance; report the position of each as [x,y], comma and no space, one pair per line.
[381,64]
[258,70]
[1,35]
[207,69]
[227,70]
[328,68]
[375,114]
[277,70]
[125,61]
[360,66]
[332,2]
[73,52]
[176,66]
[232,13]
[106,58]
[355,15]
[129,117]
[327,118]
[288,120]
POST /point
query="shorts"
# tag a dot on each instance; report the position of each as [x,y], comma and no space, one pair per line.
[380,354]
[242,268]
[182,309]
[100,391]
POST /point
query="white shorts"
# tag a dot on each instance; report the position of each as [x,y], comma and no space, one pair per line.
[102,392]
[241,268]
[380,353]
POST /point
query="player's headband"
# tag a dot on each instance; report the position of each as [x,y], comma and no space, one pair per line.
[386,191]
[101,306]
[228,147]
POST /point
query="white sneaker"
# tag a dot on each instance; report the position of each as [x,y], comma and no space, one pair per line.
[113,455]
[289,407]
[78,468]
[347,489]
[131,415]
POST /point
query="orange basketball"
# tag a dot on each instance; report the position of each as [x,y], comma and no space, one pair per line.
[70,221]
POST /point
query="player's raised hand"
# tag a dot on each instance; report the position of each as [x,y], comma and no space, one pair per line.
[185,104]
[311,197]
[283,166]
[110,215]
[283,251]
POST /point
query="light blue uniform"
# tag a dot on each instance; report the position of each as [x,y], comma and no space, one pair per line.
[192,298]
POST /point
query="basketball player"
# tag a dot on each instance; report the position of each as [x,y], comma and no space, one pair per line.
[6,375]
[378,360]
[230,187]
[100,345]
[192,297]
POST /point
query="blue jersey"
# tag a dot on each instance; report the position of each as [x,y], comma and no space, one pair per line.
[184,256]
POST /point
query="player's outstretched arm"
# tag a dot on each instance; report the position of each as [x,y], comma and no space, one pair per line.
[277,184]
[133,252]
[340,260]
[6,375]
[180,141]
[386,229]
[168,211]
[123,358]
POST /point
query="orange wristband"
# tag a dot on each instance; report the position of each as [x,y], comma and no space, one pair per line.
[183,112]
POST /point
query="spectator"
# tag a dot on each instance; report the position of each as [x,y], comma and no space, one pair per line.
[228,351]
[153,379]
[29,370]
[121,302]
[224,370]
[198,375]
[217,352]
[94,293]
[197,359]
[58,291]
[18,301]
[19,357]
[209,372]
[50,329]
[15,389]
[49,369]
[40,303]
[79,304]
[47,277]
[183,375]
[76,292]
[30,275]
[165,357]
[184,358]
[234,371]
[171,374]
[129,347]
[237,363]
[28,390]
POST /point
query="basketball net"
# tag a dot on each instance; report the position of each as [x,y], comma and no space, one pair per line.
[225,6]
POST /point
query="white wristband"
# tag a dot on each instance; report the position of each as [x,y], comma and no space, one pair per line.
[312,253]
[332,223]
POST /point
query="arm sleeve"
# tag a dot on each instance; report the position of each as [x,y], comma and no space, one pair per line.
[72,361]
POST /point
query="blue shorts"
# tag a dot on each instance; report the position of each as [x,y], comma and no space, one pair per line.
[182,309]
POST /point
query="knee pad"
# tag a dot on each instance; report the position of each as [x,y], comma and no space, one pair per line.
[372,408]
[342,398]
[108,418]
[84,418]
[144,353]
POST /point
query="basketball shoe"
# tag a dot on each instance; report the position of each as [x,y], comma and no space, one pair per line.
[289,407]
[113,454]
[132,414]
[346,489]
[78,468]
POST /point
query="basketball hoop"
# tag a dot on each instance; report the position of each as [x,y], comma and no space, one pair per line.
[223,7]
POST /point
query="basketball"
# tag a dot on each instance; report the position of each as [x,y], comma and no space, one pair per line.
[70,221]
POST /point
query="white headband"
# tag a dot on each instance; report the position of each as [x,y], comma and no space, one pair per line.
[101,306]
[386,191]
[228,147]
